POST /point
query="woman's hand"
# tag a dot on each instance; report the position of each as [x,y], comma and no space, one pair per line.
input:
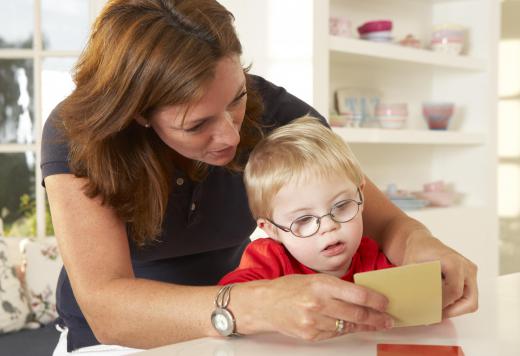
[309,306]
[459,291]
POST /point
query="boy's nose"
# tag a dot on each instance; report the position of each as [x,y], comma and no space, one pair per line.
[327,224]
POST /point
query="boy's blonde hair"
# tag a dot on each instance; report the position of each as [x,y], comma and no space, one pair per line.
[293,153]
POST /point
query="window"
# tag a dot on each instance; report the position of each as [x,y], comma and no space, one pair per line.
[40,41]
[509,139]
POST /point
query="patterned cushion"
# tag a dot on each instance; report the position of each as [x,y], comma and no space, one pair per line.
[14,310]
[42,268]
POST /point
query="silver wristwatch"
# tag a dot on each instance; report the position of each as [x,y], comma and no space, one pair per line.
[222,319]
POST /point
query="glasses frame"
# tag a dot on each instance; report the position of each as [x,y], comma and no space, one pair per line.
[289,229]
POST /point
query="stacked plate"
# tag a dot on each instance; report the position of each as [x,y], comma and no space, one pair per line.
[403,199]
[378,31]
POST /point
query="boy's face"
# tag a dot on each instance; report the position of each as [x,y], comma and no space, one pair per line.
[331,248]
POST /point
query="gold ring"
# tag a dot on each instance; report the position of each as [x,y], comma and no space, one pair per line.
[340,326]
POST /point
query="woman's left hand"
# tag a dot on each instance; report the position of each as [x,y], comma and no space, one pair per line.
[459,290]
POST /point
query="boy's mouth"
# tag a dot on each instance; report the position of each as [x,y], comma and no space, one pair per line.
[334,249]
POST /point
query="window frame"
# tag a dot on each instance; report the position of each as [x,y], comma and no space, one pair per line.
[37,54]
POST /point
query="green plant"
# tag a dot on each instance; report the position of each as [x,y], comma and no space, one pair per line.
[26,225]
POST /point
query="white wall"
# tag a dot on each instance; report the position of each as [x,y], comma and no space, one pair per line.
[278,44]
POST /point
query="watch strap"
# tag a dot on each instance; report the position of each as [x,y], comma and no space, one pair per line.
[222,301]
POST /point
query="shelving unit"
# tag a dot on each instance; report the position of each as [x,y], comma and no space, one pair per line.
[463,156]
[298,53]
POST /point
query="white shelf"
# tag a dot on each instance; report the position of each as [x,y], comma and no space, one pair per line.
[341,47]
[416,137]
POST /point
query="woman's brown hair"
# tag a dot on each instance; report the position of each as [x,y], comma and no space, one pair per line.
[142,55]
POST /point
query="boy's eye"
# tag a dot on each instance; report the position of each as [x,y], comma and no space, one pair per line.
[304,219]
[342,204]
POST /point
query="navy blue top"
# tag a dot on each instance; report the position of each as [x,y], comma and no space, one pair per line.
[206,226]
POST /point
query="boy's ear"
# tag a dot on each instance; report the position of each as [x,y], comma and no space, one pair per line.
[362,186]
[267,227]
[361,189]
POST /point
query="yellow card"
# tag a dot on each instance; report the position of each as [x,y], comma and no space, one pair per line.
[414,292]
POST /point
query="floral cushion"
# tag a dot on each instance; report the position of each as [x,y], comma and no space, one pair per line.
[14,311]
[42,268]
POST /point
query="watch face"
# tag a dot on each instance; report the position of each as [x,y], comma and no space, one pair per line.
[222,321]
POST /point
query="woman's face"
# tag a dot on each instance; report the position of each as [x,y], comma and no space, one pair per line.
[210,131]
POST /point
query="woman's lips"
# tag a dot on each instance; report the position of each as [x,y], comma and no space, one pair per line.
[223,152]
[334,249]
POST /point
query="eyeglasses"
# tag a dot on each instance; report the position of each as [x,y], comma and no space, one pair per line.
[308,225]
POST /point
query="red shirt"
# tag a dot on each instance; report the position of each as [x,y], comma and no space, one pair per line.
[266,258]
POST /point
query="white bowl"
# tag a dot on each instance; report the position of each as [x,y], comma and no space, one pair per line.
[377,34]
[447,47]
[392,122]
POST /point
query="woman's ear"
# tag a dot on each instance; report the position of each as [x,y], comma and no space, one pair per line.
[267,227]
[142,121]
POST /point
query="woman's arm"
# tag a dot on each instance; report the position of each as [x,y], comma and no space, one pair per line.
[405,240]
[119,308]
[387,224]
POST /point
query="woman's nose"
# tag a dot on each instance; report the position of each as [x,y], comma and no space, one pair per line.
[227,131]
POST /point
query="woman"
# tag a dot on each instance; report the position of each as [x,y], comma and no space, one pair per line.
[142,164]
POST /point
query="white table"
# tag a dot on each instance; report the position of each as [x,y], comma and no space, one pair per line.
[491,331]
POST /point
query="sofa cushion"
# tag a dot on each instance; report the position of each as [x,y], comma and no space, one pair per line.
[42,267]
[14,311]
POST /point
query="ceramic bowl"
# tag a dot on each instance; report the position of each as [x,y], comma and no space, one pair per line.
[391,109]
[392,122]
[448,38]
[378,36]
[447,47]
[375,26]
[391,115]
[438,114]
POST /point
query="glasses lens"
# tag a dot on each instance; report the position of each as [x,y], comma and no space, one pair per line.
[345,210]
[305,226]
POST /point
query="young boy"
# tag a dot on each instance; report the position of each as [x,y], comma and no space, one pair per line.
[305,188]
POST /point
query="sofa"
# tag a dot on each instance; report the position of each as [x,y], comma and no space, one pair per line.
[29,271]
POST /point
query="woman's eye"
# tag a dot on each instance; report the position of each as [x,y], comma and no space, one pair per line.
[196,127]
[239,98]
